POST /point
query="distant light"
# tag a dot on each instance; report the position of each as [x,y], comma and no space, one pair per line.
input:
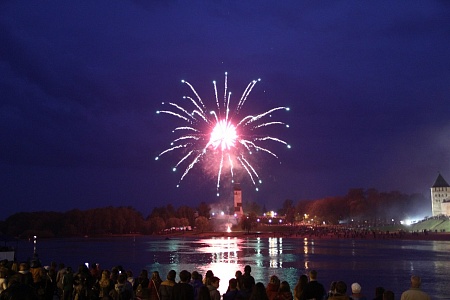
[174,169]
[405,222]
[270,221]
[280,221]
[222,213]
[156,158]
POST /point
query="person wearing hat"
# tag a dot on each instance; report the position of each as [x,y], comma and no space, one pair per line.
[356,292]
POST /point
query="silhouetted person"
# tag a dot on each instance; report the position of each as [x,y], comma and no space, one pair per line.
[166,287]
[183,290]
[247,276]
[356,292]
[314,289]
[232,290]
[273,286]
[388,295]
[19,291]
[203,293]
[414,292]
[284,293]
[379,293]
[340,292]
[259,292]
[213,288]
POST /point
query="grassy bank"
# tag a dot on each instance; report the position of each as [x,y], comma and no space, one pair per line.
[438,225]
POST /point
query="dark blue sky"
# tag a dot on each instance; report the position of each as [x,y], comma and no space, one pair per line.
[368,84]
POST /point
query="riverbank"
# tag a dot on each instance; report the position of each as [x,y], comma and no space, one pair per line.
[431,236]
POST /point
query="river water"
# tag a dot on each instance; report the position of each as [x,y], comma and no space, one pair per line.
[388,263]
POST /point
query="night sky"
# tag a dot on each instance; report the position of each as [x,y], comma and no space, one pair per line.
[367,83]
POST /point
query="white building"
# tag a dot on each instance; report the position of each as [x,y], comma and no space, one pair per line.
[238,201]
[440,197]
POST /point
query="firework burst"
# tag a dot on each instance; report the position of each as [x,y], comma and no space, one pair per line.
[220,135]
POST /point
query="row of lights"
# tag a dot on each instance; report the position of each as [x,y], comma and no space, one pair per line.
[270,220]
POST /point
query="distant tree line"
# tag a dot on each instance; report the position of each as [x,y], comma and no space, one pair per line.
[360,206]
[103,221]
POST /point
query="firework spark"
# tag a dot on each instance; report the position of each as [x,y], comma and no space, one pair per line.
[220,134]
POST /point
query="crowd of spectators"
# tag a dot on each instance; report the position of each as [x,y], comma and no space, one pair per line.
[32,281]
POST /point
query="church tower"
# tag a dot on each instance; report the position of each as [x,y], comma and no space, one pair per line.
[440,196]
[238,201]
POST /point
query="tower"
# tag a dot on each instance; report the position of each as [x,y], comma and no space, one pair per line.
[440,196]
[238,200]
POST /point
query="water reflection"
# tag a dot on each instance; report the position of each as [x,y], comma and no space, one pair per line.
[227,255]
[224,258]
[275,252]
[305,252]
[335,259]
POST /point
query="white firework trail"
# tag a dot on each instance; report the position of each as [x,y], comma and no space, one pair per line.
[215,133]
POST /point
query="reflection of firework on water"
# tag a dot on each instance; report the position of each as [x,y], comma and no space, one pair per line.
[220,134]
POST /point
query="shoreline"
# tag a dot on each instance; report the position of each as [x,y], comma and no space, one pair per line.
[429,236]
[327,235]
